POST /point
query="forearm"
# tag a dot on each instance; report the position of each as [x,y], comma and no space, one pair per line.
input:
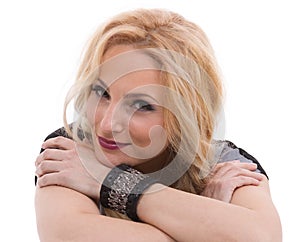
[65,215]
[188,217]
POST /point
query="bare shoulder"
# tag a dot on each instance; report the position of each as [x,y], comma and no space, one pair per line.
[253,196]
[258,199]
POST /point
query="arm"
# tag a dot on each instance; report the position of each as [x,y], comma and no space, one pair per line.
[250,216]
[65,215]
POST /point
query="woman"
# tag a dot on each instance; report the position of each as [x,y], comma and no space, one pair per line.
[147,96]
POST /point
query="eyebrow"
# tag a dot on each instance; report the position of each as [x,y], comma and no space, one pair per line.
[103,84]
[129,95]
[140,95]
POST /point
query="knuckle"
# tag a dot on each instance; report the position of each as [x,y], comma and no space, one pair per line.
[226,184]
[222,185]
[38,173]
[73,151]
[260,176]
[57,140]
[70,154]
[43,167]
[46,154]
[227,165]
[245,179]
[43,181]
[231,183]
[37,160]
[52,179]
[218,184]
[61,139]
[62,178]
[232,165]
[235,168]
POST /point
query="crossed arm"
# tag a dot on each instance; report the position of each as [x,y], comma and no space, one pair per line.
[64,214]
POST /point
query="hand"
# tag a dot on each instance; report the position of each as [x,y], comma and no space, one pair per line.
[228,176]
[66,163]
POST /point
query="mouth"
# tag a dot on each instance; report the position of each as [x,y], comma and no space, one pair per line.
[111,144]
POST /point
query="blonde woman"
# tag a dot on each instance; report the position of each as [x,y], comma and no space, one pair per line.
[140,162]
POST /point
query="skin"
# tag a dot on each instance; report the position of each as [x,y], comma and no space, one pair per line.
[228,176]
[244,211]
[129,111]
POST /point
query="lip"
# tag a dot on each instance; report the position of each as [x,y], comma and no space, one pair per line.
[111,144]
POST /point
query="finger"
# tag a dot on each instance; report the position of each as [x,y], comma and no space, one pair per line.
[238,171]
[48,180]
[234,168]
[47,167]
[244,181]
[221,164]
[59,142]
[248,166]
[224,167]
[51,154]
[253,174]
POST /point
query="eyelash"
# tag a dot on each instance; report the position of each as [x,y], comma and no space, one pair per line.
[103,94]
[144,107]
[139,105]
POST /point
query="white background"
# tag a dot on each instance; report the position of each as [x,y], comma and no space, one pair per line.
[257,46]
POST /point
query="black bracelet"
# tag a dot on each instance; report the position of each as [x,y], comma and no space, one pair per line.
[122,189]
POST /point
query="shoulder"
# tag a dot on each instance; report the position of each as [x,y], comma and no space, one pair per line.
[228,151]
[62,132]
[59,132]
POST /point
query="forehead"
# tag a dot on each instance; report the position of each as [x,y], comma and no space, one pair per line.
[117,50]
[125,61]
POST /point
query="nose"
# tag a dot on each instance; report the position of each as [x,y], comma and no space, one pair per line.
[110,120]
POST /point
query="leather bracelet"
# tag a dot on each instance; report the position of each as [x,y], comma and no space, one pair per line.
[122,188]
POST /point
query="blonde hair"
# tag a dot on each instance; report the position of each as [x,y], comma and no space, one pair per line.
[202,92]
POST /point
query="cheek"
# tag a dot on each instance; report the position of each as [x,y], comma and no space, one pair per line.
[142,131]
[93,112]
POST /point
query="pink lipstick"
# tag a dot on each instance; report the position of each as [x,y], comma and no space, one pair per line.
[110,144]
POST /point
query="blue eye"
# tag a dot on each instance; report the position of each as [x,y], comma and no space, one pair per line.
[100,91]
[142,105]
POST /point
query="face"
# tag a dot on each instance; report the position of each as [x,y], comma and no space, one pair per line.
[125,108]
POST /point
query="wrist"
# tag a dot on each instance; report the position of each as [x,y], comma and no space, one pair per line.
[122,188]
[147,203]
[95,182]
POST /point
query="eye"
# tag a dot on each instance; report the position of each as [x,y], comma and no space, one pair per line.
[100,91]
[142,105]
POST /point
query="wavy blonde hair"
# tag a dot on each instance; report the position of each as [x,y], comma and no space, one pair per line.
[202,92]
